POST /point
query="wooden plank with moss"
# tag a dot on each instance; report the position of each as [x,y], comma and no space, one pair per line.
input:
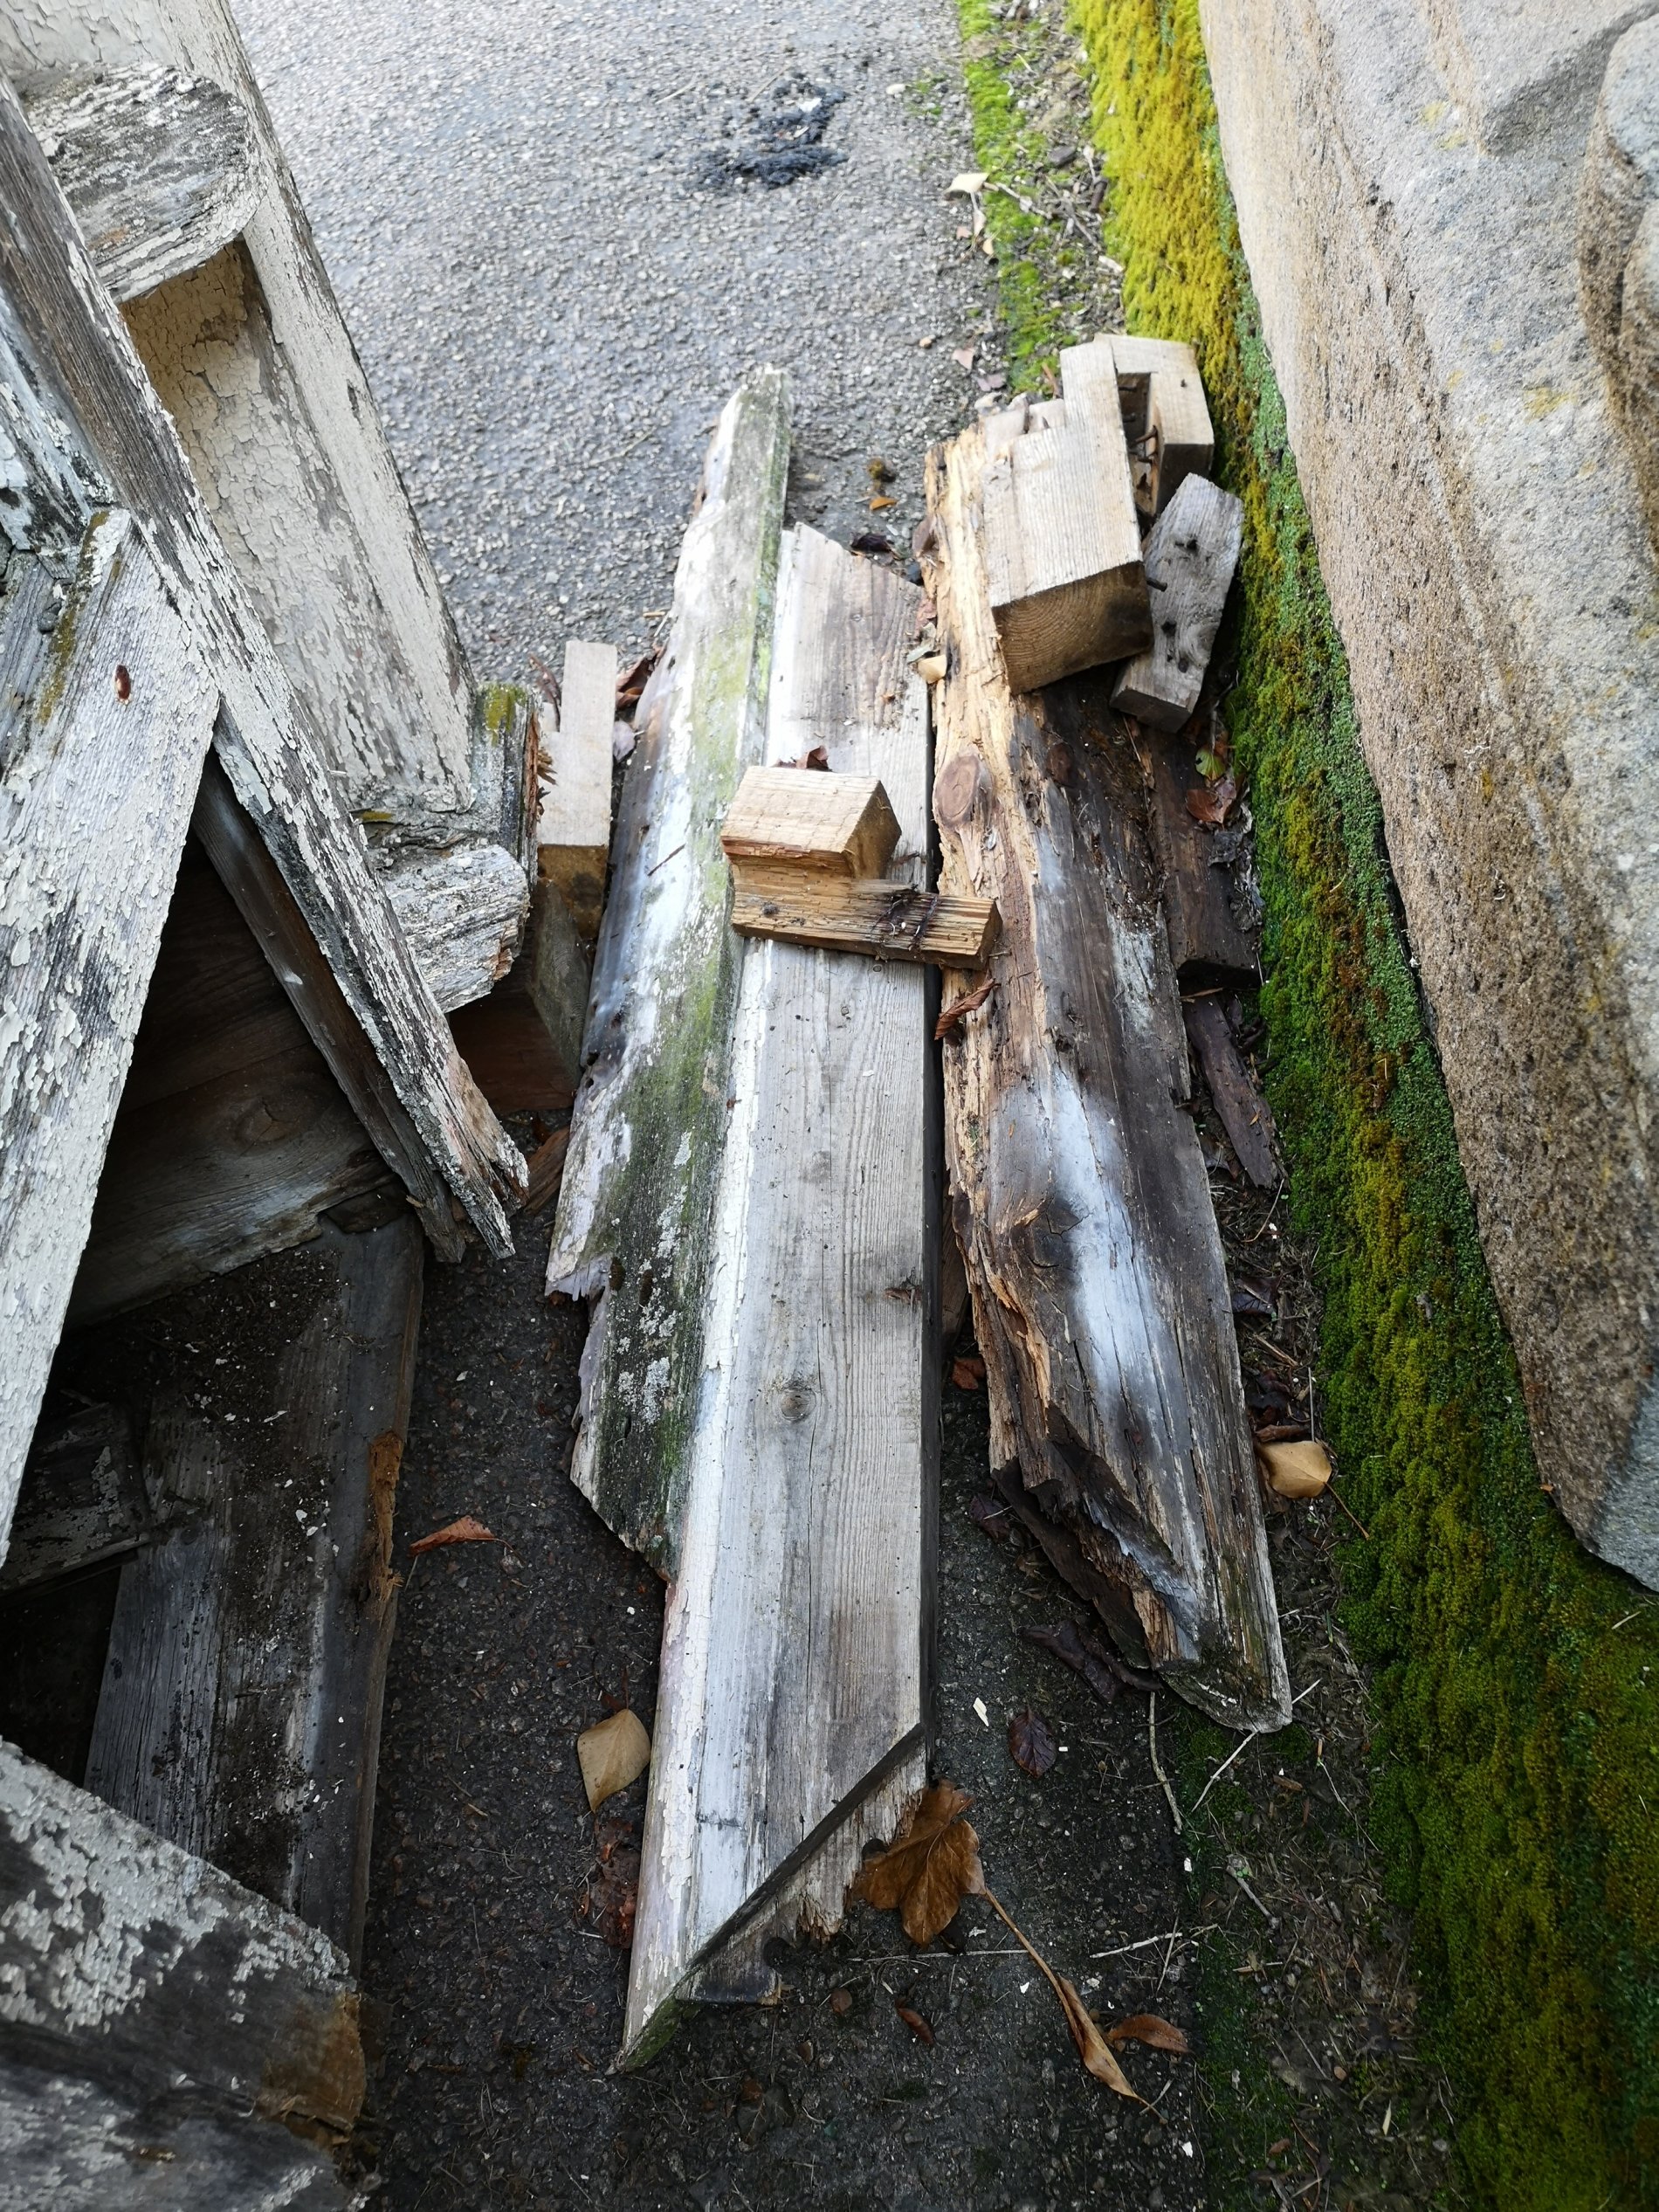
[632,1236]
[1080,1198]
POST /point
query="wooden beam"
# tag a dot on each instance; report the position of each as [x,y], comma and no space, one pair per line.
[240,1711]
[1063,561]
[224,2050]
[463,911]
[888,920]
[841,825]
[1166,418]
[1245,1114]
[89,427]
[104,740]
[792,1709]
[1191,555]
[1100,1293]
[161,170]
[81,1503]
[1204,915]
[573,833]
[650,1125]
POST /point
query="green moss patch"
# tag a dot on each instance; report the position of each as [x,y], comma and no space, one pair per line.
[1515,1744]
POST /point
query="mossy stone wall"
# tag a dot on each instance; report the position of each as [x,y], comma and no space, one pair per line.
[1516,1746]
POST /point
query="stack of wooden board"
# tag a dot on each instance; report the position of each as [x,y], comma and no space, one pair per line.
[750,1201]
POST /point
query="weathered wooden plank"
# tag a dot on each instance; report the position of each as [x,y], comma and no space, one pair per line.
[810,819]
[81,1502]
[91,425]
[573,833]
[1191,554]
[161,169]
[463,911]
[649,1130]
[1208,932]
[791,1711]
[231,1135]
[104,758]
[1099,1290]
[888,921]
[240,1713]
[1062,555]
[127,1962]
[1166,418]
[1245,1114]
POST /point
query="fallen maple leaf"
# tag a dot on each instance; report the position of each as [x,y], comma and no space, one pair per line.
[967,1371]
[465,1531]
[931,1864]
[1212,802]
[967,1004]
[1031,1744]
[1157,2034]
[913,2021]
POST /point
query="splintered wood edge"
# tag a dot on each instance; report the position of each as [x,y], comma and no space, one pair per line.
[888,921]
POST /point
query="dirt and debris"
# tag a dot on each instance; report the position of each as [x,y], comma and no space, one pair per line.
[774,139]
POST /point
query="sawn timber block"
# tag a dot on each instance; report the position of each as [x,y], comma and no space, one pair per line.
[1166,418]
[890,919]
[572,832]
[1191,555]
[842,825]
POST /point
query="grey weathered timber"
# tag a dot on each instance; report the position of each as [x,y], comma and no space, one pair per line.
[1100,1294]
[294,457]
[1206,915]
[231,1135]
[463,911]
[161,169]
[81,1502]
[1245,1114]
[792,1706]
[240,1711]
[146,1999]
[101,761]
[92,427]
[1191,554]
[648,1131]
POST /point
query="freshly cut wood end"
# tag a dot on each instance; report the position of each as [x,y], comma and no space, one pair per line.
[888,919]
[809,818]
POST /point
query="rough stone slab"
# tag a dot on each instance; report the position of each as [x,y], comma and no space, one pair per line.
[1484,546]
[1521,68]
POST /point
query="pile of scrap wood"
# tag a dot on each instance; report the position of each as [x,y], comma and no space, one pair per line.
[752,1193]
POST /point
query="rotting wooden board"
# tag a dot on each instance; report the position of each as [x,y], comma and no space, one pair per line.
[650,1125]
[1099,1290]
[161,169]
[1191,555]
[229,2018]
[1245,1114]
[1202,901]
[463,911]
[104,760]
[792,1705]
[240,1713]
[81,1502]
[573,830]
[87,424]
[886,921]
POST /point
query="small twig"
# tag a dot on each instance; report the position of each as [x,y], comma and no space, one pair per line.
[1152,1739]
[666,857]
[1146,1942]
[1271,1210]
[1348,1509]
[1222,1768]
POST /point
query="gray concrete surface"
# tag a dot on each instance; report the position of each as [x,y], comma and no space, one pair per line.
[552,306]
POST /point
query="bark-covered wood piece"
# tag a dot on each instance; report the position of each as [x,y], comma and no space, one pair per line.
[161,170]
[792,1706]
[886,921]
[650,1125]
[147,1999]
[240,1712]
[573,830]
[231,1135]
[87,426]
[1203,904]
[81,1503]
[102,759]
[1100,1294]
[1245,1114]
[1191,554]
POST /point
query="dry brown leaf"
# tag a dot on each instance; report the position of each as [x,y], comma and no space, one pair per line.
[611,1755]
[818,757]
[1031,1744]
[1295,1470]
[913,2021]
[970,1000]
[963,356]
[932,1863]
[1157,2034]
[967,1371]
[881,500]
[931,668]
[1211,804]
[1093,2047]
[465,1531]
[840,2002]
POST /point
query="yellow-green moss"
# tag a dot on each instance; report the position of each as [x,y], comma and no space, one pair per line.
[1517,1746]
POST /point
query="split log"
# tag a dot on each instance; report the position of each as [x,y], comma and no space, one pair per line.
[1100,1293]
[240,1711]
[572,832]
[162,170]
[791,1713]
[1191,555]
[1062,545]
[651,1119]
[155,2014]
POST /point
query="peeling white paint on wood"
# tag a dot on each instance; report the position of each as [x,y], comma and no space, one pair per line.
[464,914]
